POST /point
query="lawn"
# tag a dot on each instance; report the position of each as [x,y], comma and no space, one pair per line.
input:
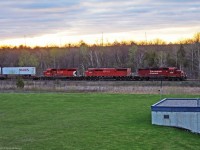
[86,121]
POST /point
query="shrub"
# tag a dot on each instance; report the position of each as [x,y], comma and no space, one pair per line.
[20,83]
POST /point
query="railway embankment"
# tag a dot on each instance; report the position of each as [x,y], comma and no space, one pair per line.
[134,87]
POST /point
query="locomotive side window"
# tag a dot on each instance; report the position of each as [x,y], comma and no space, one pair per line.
[98,70]
[165,68]
[121,69]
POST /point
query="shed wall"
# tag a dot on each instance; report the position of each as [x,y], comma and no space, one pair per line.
[187,120]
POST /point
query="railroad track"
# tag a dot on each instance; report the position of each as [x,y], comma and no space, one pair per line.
[100,79]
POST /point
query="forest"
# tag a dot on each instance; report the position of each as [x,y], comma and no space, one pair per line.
[184,55]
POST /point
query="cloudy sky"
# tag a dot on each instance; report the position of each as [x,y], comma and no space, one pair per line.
[46,22]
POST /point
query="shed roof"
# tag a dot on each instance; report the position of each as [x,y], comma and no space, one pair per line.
[177,105]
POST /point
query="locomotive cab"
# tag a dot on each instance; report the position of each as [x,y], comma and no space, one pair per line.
[163,73]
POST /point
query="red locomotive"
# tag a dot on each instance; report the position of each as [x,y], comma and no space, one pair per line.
[108,72]
[168,73]
[72,72]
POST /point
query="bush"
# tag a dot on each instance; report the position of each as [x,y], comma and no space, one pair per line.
[20,83]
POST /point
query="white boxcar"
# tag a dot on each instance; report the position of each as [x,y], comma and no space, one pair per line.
[18,70]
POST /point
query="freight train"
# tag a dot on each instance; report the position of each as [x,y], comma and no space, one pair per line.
[125,74]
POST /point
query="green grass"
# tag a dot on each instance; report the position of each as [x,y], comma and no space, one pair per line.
[86,121]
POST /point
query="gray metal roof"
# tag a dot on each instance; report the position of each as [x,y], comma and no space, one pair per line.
[179,102]
[177,105]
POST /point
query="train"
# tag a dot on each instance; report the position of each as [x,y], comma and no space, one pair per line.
[124,74]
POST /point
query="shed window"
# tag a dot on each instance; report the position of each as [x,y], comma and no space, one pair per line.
[166,116]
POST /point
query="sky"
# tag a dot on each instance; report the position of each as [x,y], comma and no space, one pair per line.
[58,22]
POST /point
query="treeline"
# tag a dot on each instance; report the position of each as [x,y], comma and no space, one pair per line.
[185,56]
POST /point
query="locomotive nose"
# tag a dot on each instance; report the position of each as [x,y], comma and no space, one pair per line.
[75,73]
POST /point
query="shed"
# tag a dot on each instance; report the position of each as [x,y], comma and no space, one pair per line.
[177,112]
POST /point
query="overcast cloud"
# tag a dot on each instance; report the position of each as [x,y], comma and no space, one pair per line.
[79,17]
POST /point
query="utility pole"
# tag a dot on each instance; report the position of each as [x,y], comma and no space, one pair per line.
[102,40]
[25,40]
[60,42]
[146,37]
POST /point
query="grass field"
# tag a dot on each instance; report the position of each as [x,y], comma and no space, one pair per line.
[86,121]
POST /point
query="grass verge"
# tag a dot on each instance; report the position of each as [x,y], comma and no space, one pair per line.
[86,121]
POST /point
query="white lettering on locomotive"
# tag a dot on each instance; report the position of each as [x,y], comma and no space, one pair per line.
[155,71]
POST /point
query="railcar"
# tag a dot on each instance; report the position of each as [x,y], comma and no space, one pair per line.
[1,76]
[14,72]
[52,73]
[165,73]
[108,73]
